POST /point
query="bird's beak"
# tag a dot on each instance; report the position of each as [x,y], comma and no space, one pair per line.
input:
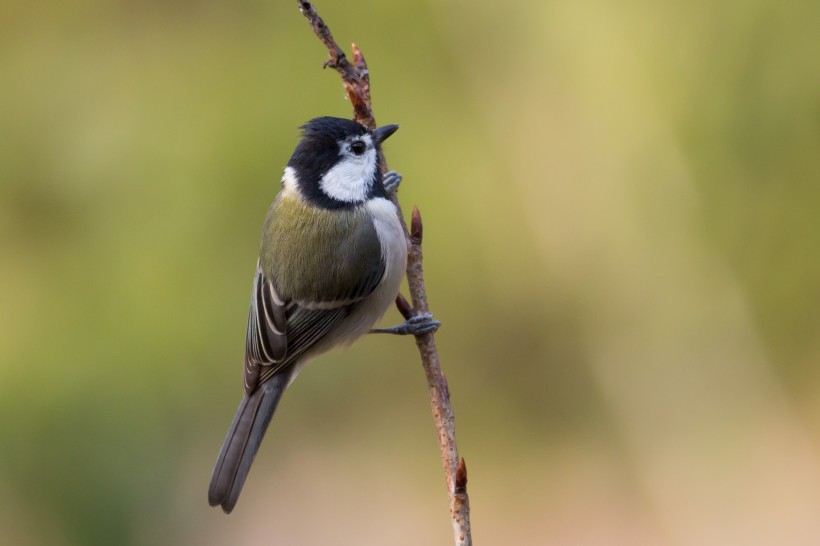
[380,134]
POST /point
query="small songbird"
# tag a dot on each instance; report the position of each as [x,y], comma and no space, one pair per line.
[332,257]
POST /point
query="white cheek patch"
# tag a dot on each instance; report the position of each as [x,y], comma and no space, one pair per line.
[350,180]
[289,183]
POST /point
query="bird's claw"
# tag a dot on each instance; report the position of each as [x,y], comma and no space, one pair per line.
[391,181]
[414,326]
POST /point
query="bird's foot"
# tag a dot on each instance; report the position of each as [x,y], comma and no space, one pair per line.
[414,326]
[391,181]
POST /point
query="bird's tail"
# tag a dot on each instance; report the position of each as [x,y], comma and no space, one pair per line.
[242,442]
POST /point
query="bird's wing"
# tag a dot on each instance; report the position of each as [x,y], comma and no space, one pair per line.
[281,330]
[266,341]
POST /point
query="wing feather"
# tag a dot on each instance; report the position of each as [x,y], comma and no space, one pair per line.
[280,331]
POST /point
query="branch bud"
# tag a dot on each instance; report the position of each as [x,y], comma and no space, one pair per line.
[416,230]
[461,477]
[404,307]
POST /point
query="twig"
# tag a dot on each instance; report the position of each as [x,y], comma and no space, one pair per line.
[356,79]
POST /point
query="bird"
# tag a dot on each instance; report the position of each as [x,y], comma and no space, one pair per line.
[331,261]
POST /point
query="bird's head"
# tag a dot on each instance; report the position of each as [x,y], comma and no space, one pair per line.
[335,164]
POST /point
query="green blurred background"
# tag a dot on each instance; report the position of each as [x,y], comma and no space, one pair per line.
[623,242]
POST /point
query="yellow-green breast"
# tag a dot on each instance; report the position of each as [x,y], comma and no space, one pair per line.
[315,254]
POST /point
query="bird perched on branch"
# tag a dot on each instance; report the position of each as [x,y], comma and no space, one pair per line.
[332,257]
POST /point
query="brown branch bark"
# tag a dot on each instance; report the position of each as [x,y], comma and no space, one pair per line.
[356,79]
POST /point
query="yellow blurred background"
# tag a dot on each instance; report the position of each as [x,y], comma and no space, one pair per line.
[622,241]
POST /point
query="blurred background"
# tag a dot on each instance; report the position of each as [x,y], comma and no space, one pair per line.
[622,240]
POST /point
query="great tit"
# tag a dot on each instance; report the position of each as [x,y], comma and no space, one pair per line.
[332,257]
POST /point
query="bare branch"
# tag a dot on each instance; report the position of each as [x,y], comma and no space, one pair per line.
[357,88]
[356,79]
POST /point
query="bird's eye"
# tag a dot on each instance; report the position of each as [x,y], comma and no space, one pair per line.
[358,147]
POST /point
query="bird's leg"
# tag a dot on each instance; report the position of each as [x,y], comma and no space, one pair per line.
[414,326]
[391,181]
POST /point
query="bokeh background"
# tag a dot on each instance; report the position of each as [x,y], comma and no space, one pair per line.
[623,242]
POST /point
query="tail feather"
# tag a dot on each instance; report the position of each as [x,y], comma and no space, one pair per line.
[242,442]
